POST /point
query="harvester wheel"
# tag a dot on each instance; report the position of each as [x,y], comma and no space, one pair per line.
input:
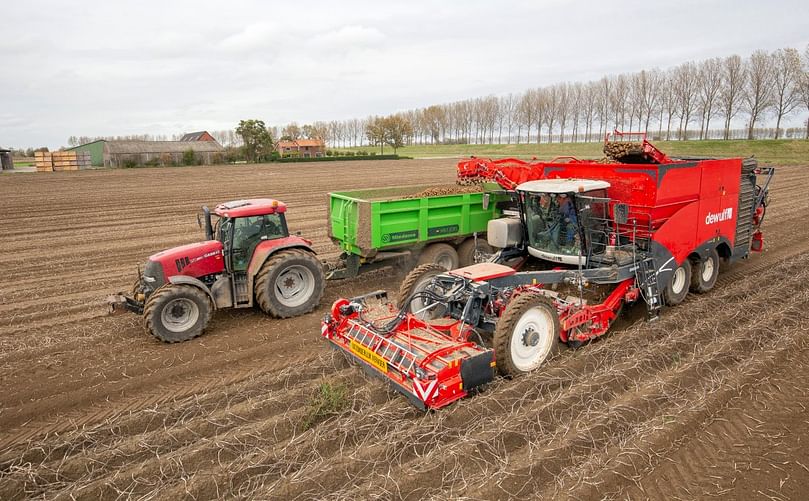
[677,288]
[290,283]
[441,254]
[467,251]
[527,334]
[175,313]
[419,280]
[705,273]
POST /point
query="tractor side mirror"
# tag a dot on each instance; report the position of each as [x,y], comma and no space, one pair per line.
[621,213]
[486,201]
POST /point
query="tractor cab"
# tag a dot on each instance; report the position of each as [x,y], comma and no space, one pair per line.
[243,224]
[565,219]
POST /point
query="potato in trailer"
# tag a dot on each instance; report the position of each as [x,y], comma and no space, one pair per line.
[610,235]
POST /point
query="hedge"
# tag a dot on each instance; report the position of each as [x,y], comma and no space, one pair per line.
[338,159]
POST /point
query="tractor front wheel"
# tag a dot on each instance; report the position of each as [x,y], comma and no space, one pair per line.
[290,283]
[175,313]
[527,335]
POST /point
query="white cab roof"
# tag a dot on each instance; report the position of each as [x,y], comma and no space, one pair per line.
[562,185]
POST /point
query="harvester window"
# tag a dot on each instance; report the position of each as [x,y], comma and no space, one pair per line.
[552,223]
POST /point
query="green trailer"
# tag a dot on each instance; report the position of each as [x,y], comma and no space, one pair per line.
[397,226]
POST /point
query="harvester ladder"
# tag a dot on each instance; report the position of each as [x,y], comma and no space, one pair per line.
[402,359]
[646,277]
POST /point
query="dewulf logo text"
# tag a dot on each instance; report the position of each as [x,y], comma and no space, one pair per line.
[722,216]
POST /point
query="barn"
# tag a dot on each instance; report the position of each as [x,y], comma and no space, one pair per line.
[115,153]
[202,135]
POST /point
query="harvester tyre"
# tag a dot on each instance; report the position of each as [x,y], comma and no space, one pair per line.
[527,335]
[416,281]
[467,251]
[290,283]
[704,273]
[441,254]
[677,288]
[175,313]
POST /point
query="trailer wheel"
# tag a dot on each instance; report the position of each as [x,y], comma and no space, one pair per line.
[175,313]
[705,273]
[527,335]
[290,283]
[441,254]
[469,254]
[419,280]
[677,288]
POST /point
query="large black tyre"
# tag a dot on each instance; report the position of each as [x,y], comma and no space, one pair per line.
[290,283]
[467,251]
[705,272]
[417,281]
[441,254]
[677,288]
[175,313]
[527,334]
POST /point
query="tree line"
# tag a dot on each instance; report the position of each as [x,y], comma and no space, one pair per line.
[695,100]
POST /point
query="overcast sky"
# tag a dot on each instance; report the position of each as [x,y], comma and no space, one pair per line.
[115,68]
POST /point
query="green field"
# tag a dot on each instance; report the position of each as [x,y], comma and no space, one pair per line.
[773,152]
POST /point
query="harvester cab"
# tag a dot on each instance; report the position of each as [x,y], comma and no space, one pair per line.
[565,219]
[248,258]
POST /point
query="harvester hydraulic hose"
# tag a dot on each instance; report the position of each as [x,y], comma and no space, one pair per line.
[391,325]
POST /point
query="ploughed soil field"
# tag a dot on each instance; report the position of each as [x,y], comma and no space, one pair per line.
[709,401]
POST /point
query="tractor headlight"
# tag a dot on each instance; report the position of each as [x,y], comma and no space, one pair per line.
[149,279]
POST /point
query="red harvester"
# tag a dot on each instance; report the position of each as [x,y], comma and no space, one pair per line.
[646,228]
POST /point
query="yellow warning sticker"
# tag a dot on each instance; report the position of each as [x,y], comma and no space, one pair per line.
[369,356]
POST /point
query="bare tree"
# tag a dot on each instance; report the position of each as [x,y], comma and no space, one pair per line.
[804,84]
[655,81]
[576,103]
[668,104]
[526,112]
[734,80]
[709,84]
[563,108]
[685,91]
[758,88]
[786,77]
[589,107]
[506,117]
[603,108]
[618,100]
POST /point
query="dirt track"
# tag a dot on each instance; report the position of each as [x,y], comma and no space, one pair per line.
[709,400]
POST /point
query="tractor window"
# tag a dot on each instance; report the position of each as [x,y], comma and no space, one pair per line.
[249,232]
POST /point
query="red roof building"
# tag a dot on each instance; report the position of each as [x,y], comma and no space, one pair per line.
[302,147]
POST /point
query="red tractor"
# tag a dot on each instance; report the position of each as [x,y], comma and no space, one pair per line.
[646,228]
[248,258]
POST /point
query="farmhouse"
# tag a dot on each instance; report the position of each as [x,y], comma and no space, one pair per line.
[114,153]
[202,135]
[301,147]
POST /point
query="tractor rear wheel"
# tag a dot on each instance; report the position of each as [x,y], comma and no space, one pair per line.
[527,334]
[705,273]
[417,281]
[441,254]
[290,283]
[468,252]
[175,313]
[677,288]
